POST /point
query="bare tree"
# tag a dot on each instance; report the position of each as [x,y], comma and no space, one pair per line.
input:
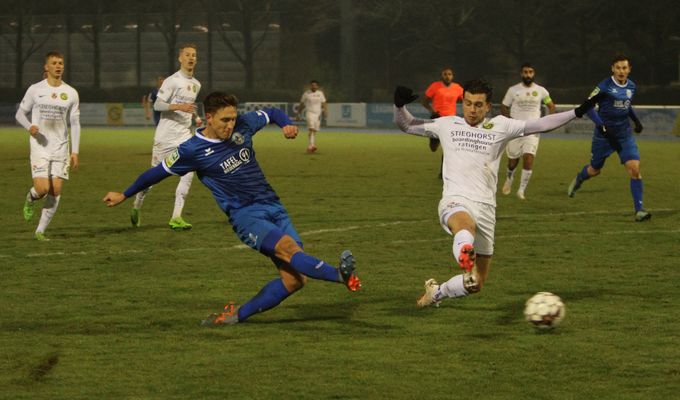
[245,16]
[25,34]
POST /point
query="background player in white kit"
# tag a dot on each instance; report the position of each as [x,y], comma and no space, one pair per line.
[523,101]
[313,104]
[176,102]
[51,102]
[472,148]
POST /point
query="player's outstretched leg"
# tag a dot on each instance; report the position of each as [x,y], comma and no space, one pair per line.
[458,286]
[428,298]
[228,316]
[314,268]
[347,271]
[270,296]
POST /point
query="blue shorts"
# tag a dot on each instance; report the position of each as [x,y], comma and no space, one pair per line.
[254,222]
[621,142]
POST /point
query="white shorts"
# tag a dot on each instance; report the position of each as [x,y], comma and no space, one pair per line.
[313,120]
[47,167]
[160,152]
[522,145]
[484,216]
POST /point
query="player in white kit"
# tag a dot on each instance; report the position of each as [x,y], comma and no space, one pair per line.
[313,104]
[176,102]
[472,148]
[523,101]
[53,105]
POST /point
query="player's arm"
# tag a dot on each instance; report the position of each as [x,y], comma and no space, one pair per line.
[505,110]
[507,103]
[162,105]
[146,104]
[278,117]
[427,103]
[592,113]
[638,125]
[550,104]
[553,121]
[148,178]
[74,120]
[403,118]
[23,110]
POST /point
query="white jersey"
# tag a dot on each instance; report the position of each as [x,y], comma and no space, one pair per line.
[175,126]
[51,107]
[472,154]
[313,101]
[525,102]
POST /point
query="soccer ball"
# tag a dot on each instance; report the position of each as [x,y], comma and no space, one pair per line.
[544,310]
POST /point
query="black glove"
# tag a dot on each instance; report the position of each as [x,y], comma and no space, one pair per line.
[609,135]
[434,115]
[588,104]
[403,96]
[638,126]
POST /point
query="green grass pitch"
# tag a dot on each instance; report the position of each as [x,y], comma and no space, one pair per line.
[107,311]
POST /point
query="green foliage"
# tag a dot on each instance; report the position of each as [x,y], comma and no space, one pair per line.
[107,311]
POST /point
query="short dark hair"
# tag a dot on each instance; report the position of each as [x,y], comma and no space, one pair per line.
[620,57]
[185,45]
[526,65]
[53,53]
[313,81]
[448,68]
[479,86]
[218,100]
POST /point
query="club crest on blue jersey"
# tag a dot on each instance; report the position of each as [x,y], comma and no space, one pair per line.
[237,138]
[244,155]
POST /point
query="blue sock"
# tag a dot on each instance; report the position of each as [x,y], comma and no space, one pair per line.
[314,268]
[636,191]
[583,175]
[268,297]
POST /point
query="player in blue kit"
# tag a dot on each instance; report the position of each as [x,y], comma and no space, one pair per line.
[613,133]
[223,157]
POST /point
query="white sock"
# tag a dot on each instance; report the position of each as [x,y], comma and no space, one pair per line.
[312,136]
[510,174]
[526,175]
[181,194]
[49,208]
[33,195]
[139,198]
[453,288]
[462,237]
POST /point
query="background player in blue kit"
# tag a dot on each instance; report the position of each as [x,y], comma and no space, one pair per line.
[613,133]
[149,99]
[223,157]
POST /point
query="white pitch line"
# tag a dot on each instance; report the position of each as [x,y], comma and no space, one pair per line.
[392,223]
[549,235]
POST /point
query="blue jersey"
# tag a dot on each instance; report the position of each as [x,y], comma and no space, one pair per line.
[228,168]
[615,108]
